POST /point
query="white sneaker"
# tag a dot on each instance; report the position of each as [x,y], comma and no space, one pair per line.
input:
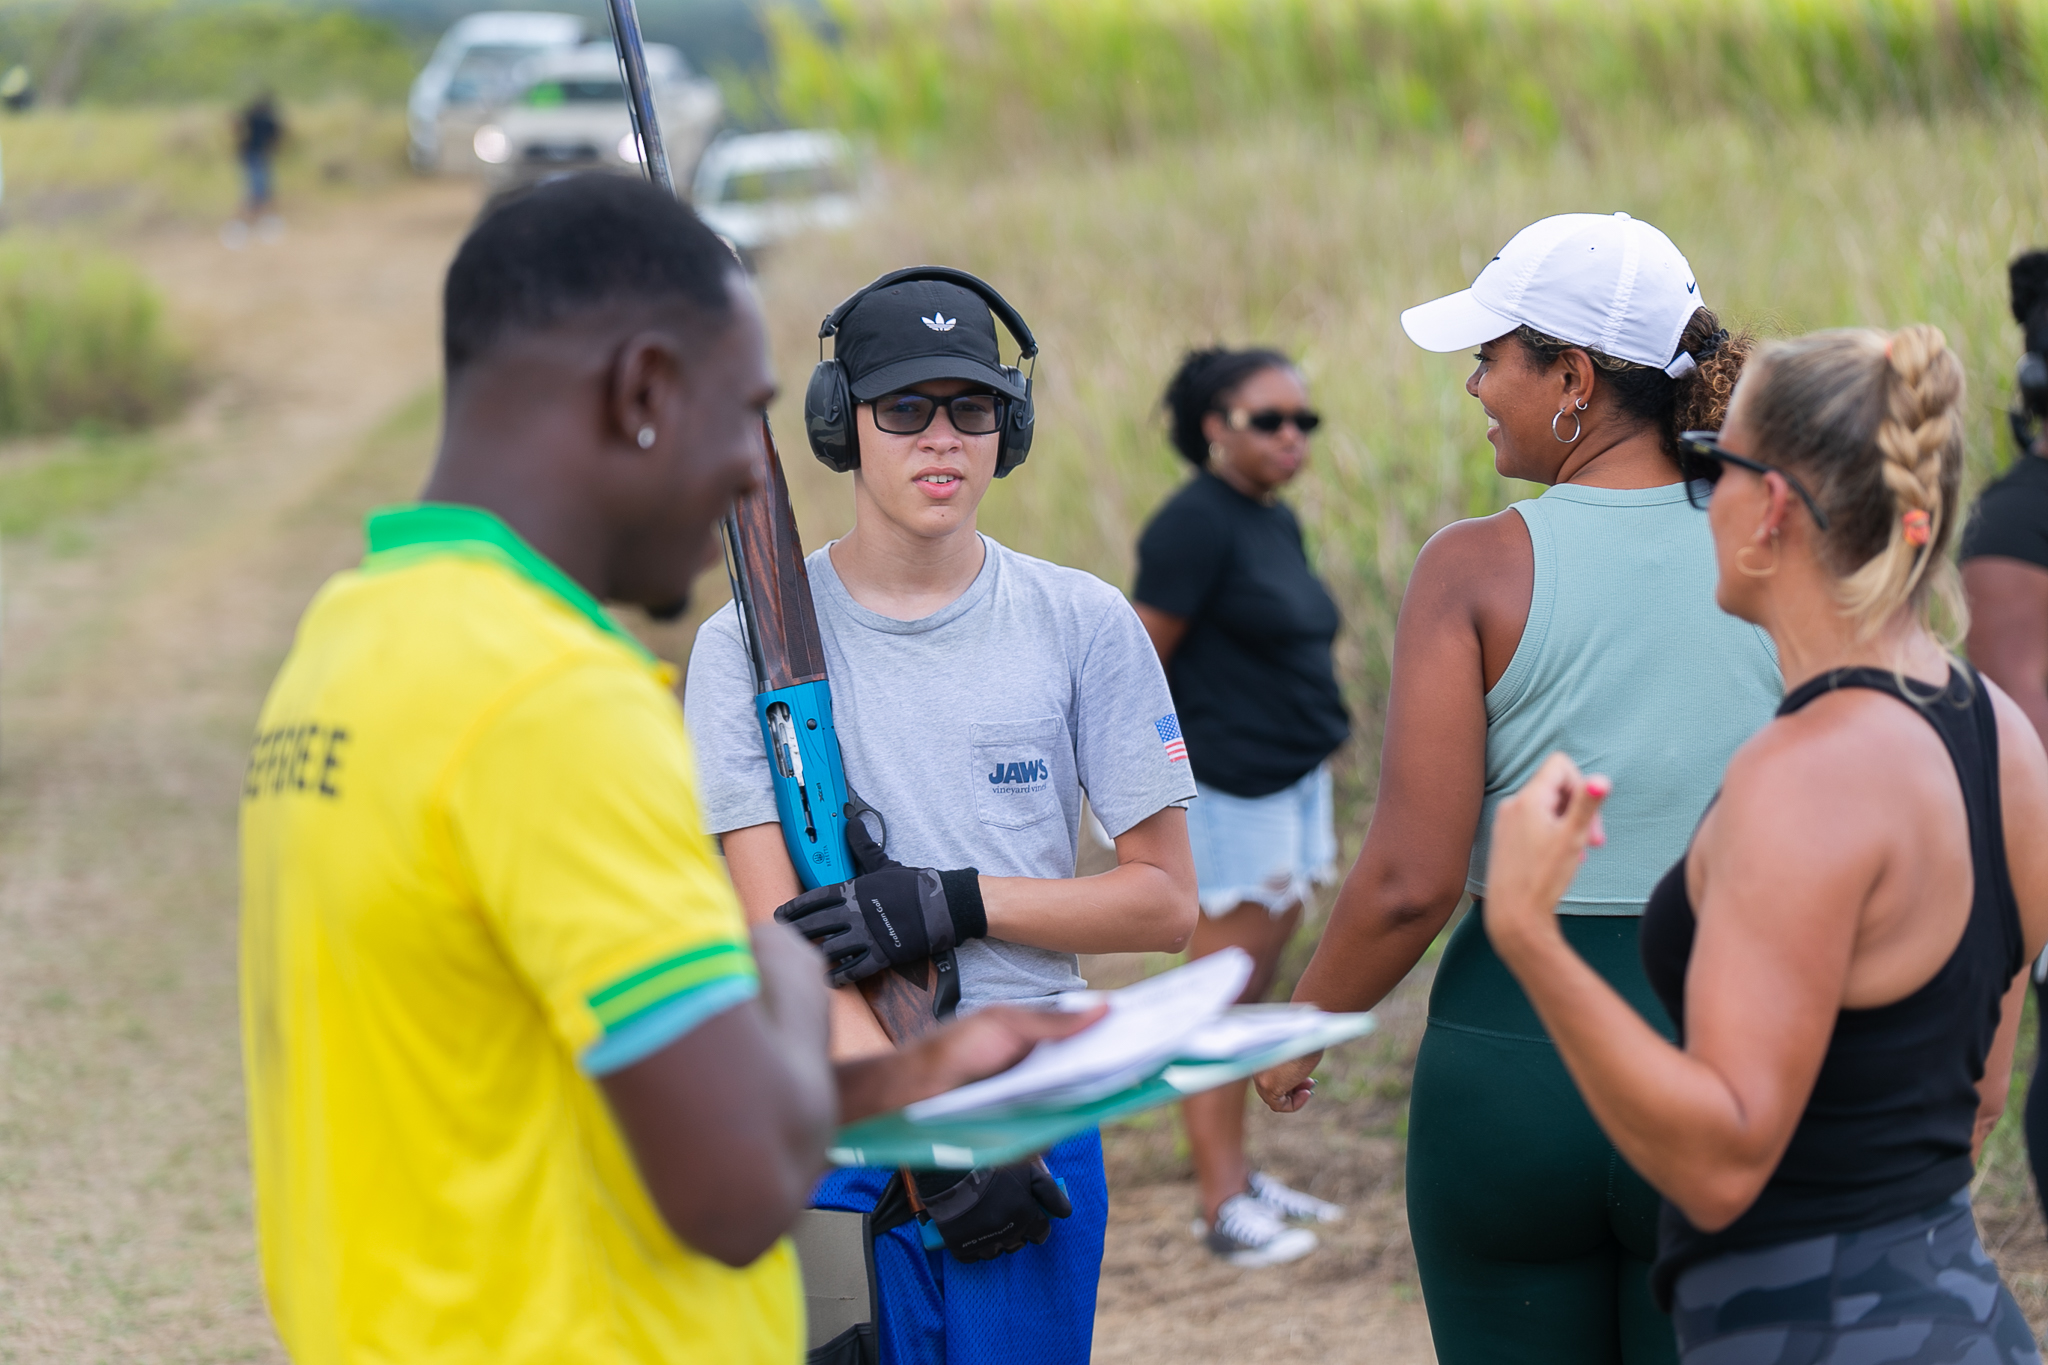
[1290,1203]
[1250,1235]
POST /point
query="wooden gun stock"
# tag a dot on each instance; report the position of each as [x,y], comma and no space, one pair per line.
[905,1003]
[773,587]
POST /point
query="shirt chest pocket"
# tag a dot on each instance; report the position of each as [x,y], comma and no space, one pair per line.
[1018,766]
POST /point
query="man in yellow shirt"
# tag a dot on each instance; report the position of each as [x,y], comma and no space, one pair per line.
[522,1084]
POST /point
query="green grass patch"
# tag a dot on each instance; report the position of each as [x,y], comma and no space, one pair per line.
[73,479]
[82,342]
[992,75]
[164,51]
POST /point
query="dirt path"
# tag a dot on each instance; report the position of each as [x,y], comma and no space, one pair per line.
[136,656]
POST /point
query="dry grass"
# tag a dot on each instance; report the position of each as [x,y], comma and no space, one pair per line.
[1315,243]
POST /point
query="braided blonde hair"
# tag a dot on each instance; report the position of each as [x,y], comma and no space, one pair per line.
[1873,423]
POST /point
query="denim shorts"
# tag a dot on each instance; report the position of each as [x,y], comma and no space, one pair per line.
[1266,850]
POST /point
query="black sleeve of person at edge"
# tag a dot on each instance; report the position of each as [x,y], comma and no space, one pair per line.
[2010,520]
[888,916]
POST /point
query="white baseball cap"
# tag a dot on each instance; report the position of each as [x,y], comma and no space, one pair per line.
[1608,283]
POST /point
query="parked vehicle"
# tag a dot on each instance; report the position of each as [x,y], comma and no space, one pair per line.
[473,70]
[756,189]
[569,114]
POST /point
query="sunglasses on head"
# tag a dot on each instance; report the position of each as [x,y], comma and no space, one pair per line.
[1269,420]
[972,414]
[1707,445]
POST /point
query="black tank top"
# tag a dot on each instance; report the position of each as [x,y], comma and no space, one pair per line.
[1886,1132]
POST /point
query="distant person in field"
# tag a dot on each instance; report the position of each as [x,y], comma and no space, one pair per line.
[1844,942]
[2005,581]
[523,1084]
[258,131]
[1583,620]
[1244,628]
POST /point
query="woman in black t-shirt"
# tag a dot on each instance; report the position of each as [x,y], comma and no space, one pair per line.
[1244,628]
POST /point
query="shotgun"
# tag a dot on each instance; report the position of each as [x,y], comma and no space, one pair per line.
[771,592]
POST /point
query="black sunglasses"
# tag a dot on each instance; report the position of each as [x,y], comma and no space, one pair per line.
[1707,445]
[972,414]
[1270,420]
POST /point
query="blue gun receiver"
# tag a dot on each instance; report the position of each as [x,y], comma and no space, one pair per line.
[810,783]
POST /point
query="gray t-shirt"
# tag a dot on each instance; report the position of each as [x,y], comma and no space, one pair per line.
[975,731]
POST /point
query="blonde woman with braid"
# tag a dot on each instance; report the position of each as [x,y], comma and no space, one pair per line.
[1842,946]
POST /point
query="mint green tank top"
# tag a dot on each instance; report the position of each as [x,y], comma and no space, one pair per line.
[1628,666]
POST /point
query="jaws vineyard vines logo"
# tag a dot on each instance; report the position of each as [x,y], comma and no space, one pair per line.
[1025,773]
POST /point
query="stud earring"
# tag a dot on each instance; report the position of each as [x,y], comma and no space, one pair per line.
[646,438]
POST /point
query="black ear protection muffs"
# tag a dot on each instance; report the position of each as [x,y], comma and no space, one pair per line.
[829,404]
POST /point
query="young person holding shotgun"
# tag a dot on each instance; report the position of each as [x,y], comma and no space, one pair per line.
[523,1084]
[978,694]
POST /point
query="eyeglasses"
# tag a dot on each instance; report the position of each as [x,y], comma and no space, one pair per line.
[1707,445]
[1270,420]
[972,414]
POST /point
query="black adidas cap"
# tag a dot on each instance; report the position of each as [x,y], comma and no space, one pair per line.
[917,330]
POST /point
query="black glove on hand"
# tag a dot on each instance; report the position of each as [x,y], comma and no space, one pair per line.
[989,1213]
[888,916]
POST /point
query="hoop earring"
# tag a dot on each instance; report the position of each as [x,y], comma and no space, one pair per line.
[1215,450]
[1578,426]
[1766,572]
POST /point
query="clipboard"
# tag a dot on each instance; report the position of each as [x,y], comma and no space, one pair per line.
[997,1139]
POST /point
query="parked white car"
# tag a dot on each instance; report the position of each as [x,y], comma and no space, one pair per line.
[756,189]
[570,114]
[472,71]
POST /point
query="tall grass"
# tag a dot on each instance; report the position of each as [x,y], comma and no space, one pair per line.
[991,74]
[1299,236]
[82,343]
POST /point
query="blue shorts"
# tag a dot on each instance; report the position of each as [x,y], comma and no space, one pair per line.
[1265,850]
[936,1310]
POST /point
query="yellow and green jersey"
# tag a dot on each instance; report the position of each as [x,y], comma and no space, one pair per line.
[474,878]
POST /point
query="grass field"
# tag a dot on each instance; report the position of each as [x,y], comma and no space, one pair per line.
[994,76]
[1314,242]
[110,169]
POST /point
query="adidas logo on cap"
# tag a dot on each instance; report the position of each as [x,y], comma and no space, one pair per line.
[939,322]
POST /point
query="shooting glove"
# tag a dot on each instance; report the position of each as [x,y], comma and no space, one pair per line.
[888,916]
[992,1212]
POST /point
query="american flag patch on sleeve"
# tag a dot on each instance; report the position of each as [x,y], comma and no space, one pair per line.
[1168,727]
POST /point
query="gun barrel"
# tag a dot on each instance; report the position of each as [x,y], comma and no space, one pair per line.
[639,96]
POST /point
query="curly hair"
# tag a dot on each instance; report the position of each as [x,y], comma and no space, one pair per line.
[1696,402]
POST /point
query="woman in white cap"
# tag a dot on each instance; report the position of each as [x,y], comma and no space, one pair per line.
[1582,621]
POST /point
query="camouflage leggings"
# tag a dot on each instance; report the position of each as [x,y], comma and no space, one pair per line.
[1918,1291]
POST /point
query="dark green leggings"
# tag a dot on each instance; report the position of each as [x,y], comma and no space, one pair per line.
[1533,1236]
